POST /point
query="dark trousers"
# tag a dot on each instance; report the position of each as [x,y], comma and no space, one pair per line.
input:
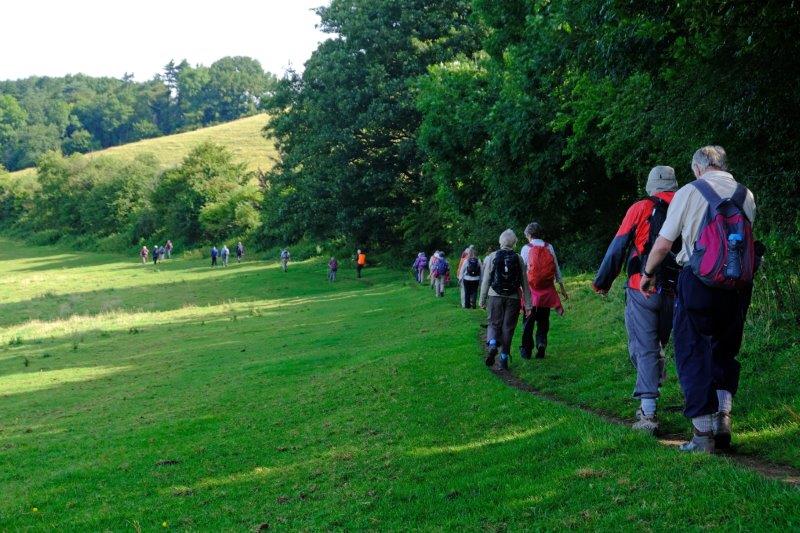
[213,260]
[470,293]
[359,268]
[540,319]
[707,331]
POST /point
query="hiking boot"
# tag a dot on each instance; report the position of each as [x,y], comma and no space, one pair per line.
[645,423]
[505,359]
[721,425]
[540,351]
[491,355]
[524,352]
[700,443]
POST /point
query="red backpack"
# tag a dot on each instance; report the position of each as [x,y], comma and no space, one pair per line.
[724,255]
[541,267]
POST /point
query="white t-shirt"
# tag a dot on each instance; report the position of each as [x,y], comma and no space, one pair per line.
[688,208]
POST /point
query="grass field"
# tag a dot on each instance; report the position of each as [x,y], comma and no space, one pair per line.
[134,398]
[590,367]
[243,137]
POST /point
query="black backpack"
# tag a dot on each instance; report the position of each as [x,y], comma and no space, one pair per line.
[667,272]
[473,267]
[506,273]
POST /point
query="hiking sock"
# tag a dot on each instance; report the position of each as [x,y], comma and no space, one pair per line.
[649,407]
[702,423]
[725,400]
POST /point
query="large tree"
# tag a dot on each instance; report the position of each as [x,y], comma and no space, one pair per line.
[346,127]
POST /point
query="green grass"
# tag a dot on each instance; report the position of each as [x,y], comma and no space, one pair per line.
[589,366]
[243,137]
[193,399]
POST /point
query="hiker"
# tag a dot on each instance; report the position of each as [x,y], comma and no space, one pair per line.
[239,251]
[542,273]
[470,276]
[225,253]
[155,255]
[333,266]
[713,217]
[441,275]
[461,260]
[285,258]
[361,262]
[214,254]
[431,266]
[501,284]
[418,267]
[168,249]
[143,253]
[648,320]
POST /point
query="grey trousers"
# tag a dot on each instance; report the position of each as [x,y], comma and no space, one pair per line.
[439,286]
[503,316]
[649,324]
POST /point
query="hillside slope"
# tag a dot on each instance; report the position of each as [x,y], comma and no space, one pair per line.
[242,137]
[134,397]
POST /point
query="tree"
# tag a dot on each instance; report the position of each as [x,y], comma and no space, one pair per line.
[346,127]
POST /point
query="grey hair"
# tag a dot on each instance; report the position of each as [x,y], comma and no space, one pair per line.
[508,238]
[709,156]
[471,252]
[533,230]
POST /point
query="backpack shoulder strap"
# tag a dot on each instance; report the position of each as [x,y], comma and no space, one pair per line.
[739,196]
[708,192]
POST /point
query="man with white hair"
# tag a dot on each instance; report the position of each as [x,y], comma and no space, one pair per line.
[503,282]
[648,319]
[713,216]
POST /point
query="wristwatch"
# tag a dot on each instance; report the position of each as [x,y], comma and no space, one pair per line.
[646,273]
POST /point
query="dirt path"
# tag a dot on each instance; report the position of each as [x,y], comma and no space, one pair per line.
[784,473]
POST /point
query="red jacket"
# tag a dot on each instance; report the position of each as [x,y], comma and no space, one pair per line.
[628,243]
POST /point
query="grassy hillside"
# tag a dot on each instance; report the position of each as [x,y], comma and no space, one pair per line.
[230,399]
[243,137]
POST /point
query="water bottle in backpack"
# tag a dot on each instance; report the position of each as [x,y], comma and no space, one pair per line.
[733,269]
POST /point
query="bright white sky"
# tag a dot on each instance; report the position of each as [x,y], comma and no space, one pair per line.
[111,37]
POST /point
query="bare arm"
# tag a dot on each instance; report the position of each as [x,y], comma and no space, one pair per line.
[661,248]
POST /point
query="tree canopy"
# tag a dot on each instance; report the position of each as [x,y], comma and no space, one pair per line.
[78,114]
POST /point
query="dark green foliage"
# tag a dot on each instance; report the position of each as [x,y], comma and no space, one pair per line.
[207,198]
[116,204]
[80,113]
[575,101]
[346,127]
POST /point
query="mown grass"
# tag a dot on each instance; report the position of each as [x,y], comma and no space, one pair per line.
[589,365]
[242,137]
[186,398]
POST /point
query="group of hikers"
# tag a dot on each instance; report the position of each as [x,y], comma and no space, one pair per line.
[506,284]
[159,252]
[224,254]
[689,257]
[333,263]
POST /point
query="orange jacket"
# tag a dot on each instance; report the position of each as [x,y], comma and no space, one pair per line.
[362,259]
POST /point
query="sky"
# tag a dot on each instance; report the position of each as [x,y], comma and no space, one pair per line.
[112,37]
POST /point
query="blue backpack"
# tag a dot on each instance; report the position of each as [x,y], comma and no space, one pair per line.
[442,268]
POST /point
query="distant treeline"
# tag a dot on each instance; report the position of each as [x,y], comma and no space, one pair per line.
[111,204]
[81,113]
[425,125]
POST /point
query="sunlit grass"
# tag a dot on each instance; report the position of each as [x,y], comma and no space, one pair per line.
[219,400]
[243,137]
[29,382]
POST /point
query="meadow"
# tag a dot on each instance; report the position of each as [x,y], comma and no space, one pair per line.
[242,137]
[181,397]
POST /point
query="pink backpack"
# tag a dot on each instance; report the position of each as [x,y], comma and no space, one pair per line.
[723,255]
